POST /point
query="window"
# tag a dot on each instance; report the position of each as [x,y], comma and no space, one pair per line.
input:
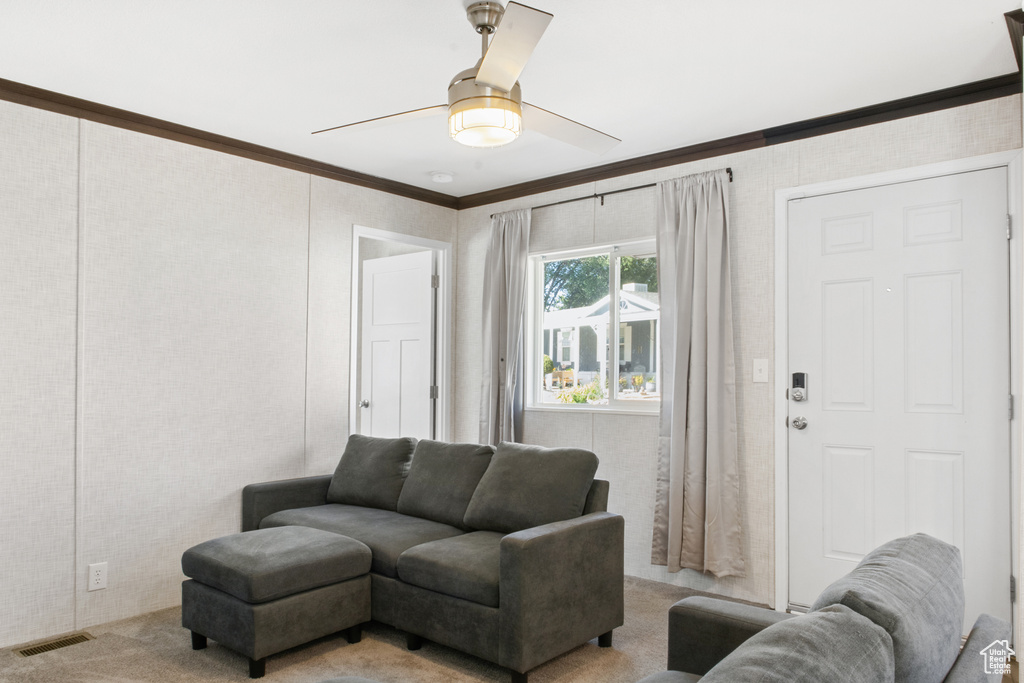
[577,299]
[566,346]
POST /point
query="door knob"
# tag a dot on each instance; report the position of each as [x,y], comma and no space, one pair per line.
[364,403]
[800,422]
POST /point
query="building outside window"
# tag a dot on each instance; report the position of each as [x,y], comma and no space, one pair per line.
[576,299]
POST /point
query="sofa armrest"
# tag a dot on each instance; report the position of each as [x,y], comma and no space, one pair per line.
[969,666]
[266,498]
[597,497]
[561,585]
[702,631]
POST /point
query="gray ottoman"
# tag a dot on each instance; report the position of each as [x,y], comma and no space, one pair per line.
[262,592]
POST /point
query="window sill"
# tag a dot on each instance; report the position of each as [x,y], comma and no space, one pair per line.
[604,410]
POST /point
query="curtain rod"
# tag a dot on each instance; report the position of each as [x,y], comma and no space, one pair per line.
[602,195]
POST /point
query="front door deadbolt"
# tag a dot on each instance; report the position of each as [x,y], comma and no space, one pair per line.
[798,390]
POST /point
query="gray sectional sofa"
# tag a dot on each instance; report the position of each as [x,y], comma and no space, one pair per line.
[896,617]
[508,554]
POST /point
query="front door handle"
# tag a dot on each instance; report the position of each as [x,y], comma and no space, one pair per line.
[800,422]
[364,403]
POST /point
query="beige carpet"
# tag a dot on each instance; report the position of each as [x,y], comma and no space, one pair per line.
[154,647]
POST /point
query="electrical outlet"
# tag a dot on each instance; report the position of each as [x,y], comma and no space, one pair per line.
[97,576]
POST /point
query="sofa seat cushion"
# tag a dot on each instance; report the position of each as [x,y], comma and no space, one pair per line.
[527,486]
[371,472]
[833,644]
[913,588]
[267,564]
[388,534]
[463,566]
[442,479]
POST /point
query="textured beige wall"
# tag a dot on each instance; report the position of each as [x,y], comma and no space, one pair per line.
[627,446]
[38,295]
[199,305]
[211,312]
[334,209]
[192,354]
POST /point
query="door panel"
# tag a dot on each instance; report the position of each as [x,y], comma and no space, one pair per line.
[849,495]
[935,494]
[847,315]
[899,314]
[934,351]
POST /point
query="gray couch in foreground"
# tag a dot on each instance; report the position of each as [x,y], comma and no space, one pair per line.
[896,617]
[508,554]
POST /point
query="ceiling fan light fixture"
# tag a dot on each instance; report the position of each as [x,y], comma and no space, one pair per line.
[482,116]
[485,121]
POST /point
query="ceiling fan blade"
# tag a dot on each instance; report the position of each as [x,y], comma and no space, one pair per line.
[566,130]
[517,35]
[392,118]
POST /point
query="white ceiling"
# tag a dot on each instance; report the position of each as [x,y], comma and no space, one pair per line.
[660,74]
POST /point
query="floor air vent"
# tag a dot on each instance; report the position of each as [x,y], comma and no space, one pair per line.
[39,648]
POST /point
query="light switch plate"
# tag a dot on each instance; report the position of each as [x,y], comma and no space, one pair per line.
[760,370]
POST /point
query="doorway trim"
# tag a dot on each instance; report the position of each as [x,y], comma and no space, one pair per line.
[1012,161]
[442,324]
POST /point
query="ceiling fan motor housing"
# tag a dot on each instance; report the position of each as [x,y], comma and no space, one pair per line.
[482,116]
[485,16]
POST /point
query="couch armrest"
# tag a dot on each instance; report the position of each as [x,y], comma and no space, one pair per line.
[969,666]
[266,498]
[597,497]
[702,631]
[561,585]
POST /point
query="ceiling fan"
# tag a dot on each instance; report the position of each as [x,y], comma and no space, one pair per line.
[485,103]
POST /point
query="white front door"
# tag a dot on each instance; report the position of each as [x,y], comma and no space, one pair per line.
[397,346]
[899,316]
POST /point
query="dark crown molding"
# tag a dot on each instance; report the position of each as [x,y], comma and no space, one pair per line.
[120,118]
[1015,25]
[979,91]
[706,150]
[970,93]
[937,100]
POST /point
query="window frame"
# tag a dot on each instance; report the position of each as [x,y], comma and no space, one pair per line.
[535,328]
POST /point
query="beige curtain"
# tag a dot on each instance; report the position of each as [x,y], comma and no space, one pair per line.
[504,312]
[696,519]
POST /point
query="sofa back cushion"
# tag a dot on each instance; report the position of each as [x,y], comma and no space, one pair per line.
[526,486]
[371,472]
[833,644]
[913,587]
[442,479]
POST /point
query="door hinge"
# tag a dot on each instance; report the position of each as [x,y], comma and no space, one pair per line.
[1010,397]
[1013,588]
[435,281]
[434,393]
[1009,226]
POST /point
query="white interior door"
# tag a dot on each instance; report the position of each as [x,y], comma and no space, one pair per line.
[397,346]
[899,316]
